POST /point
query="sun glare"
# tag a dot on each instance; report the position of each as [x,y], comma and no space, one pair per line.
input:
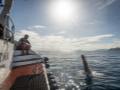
[62,10]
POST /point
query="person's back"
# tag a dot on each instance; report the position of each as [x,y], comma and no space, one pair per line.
[24,40]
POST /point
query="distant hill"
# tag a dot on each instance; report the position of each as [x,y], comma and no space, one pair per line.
[100,50]
[115,49]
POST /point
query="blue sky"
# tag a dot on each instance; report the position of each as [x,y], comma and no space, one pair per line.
[69,24]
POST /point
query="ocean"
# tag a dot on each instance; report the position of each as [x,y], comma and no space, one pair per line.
[69,72]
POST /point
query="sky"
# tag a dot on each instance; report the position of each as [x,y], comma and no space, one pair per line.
[68,25]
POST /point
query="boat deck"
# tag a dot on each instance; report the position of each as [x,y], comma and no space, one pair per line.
[28,73]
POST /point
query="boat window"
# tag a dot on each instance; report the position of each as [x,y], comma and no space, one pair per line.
[7,33]
[1,31]
[10,30]
[11,25]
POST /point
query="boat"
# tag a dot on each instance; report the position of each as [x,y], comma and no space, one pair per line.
[24,72]
[17,71]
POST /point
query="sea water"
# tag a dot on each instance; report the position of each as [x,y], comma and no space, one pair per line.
[69,72]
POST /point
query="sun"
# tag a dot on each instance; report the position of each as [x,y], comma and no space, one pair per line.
[62,10]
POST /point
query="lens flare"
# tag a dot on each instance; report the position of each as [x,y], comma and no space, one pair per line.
[62,10]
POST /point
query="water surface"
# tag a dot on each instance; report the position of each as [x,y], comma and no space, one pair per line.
[68,69]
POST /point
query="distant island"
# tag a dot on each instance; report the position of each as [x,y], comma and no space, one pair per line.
[115,49]
[111,49]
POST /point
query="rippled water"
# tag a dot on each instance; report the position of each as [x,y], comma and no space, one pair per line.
[68,69]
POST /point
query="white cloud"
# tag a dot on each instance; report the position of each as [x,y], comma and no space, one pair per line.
[93,39]
[37,27]
[61,43]
[62,32]
[106,3]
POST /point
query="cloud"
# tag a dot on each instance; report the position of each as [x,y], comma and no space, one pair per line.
[61,33]
[45,42]
[106,4]
[36,27]
[97,38]
[61,43]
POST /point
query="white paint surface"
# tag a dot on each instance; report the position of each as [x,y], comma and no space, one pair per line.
[6,50]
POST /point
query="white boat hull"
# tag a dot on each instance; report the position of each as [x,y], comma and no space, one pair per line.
[6,55]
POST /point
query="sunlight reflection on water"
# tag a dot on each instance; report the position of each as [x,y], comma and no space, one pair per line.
[68,69]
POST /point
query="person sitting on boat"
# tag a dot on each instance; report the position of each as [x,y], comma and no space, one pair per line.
[24,45]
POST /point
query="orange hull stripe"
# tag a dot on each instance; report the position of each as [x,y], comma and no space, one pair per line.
[21,71]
